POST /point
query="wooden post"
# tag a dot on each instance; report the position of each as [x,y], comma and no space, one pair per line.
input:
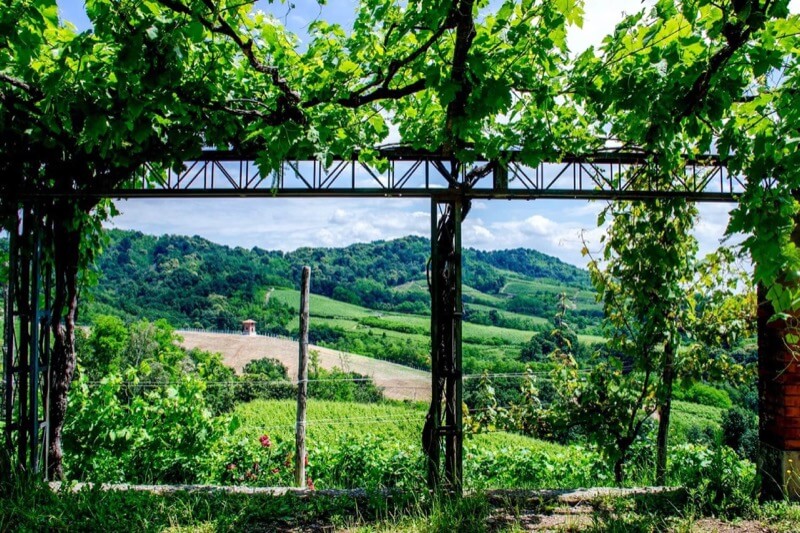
[302,384]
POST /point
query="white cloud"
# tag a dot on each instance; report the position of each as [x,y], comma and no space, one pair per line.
[558,228]
[563,239]
[599,20]
[340,216]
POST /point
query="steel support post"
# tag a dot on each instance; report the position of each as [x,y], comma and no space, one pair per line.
[27,348]
[443,427]
[433,421]
[9,347]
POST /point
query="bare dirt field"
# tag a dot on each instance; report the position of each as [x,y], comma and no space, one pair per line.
[399,382]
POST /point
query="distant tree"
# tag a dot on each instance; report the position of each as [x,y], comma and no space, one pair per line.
[267,367]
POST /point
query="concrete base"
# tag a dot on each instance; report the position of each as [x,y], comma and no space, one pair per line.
[780,473]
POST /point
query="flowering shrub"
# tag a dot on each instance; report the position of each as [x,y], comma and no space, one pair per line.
[239,460]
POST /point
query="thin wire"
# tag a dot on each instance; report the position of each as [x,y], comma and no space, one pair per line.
[539,375]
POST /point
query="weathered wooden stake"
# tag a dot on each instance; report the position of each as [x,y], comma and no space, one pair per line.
[302,384]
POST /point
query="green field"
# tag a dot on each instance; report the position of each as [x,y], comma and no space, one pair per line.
[327,422]
[495,340]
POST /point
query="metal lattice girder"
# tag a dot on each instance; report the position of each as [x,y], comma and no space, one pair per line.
[603,175]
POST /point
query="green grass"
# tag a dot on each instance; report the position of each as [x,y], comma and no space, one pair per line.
[497,441]
[509,314]
[484,298]
[591,339]
[32,506]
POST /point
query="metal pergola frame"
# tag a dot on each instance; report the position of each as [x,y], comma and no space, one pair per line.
[610,175]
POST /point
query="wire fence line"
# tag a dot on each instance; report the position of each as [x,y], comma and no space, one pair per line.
[464,377]
[544,375]
[238,333]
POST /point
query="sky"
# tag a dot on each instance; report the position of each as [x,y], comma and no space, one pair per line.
[555,227]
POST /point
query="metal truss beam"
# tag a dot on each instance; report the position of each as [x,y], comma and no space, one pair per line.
[603,175]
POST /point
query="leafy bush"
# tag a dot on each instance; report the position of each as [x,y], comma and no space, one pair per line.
[704,394]
[161,435]
[717,479]
[338,385]
[740,432]
[370,461]
[528,467]
[256,461]
[251,387]
[267,367]
[143,408]
[264,379]
[220,395]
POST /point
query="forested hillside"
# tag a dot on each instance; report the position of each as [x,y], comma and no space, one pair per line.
[193,282]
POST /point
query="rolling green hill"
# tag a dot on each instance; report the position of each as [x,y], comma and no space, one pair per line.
[368,298]
[192,281]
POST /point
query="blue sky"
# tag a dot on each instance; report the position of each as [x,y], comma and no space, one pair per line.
[556,227]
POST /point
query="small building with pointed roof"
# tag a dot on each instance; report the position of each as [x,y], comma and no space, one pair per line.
[248,327]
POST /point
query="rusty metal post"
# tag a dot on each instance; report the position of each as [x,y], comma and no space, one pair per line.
[446,372]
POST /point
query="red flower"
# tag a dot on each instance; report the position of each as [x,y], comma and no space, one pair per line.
[275,470]
[265,442]
[310,483]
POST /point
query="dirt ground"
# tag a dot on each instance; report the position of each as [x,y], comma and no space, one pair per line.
[399,382]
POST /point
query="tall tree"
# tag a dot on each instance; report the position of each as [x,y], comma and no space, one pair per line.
[649,259]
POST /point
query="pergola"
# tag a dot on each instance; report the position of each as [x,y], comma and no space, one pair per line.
[609,175]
